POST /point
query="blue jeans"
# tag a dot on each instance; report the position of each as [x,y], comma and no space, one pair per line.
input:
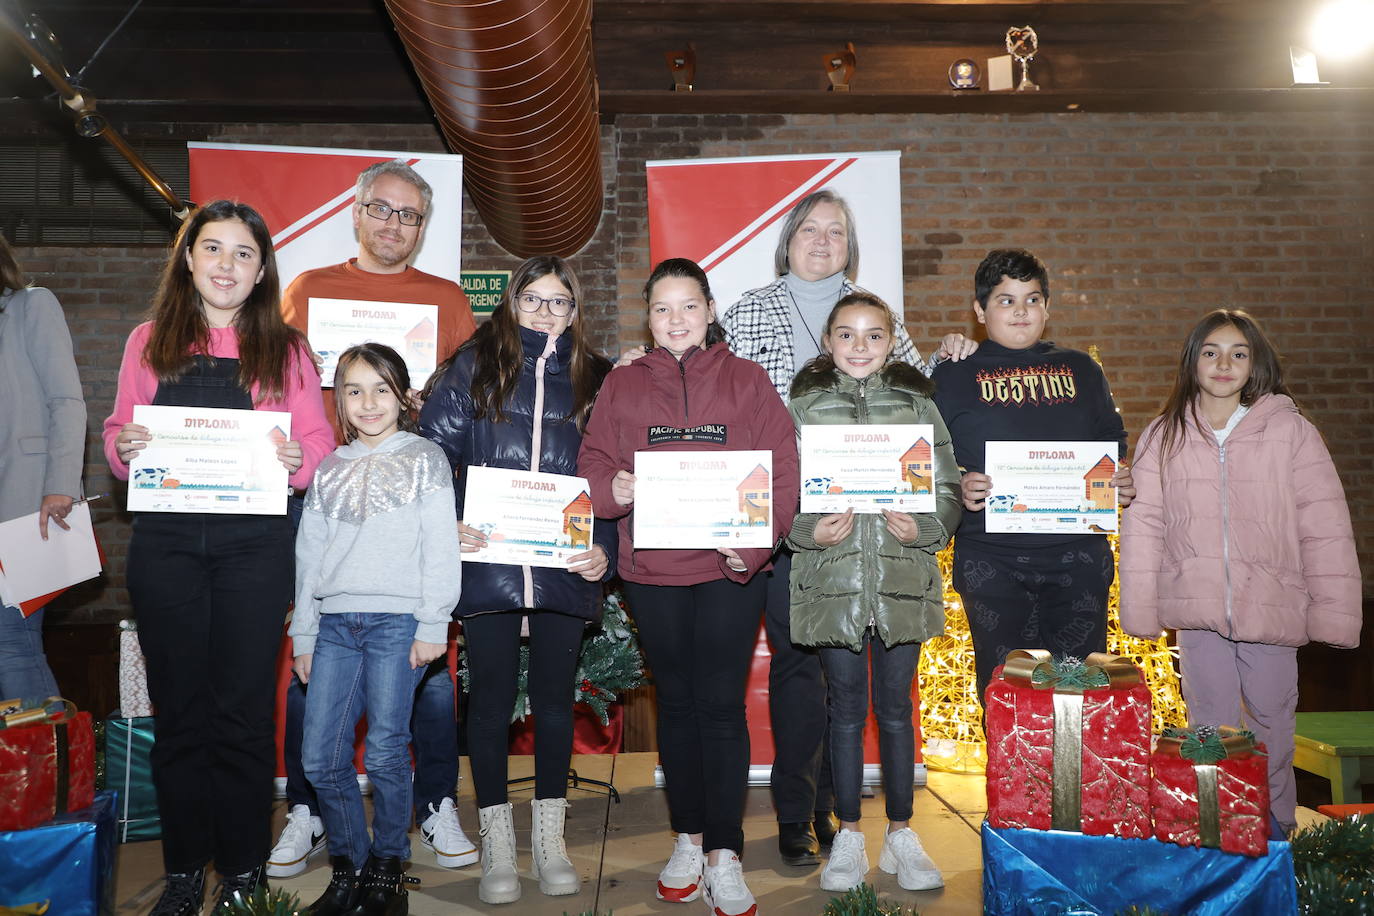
[433,735]
[24,671]
[846,678]
[362,664]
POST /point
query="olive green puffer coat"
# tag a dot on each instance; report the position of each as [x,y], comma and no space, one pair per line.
[870,578]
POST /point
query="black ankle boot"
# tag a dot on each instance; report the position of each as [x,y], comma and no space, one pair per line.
[237,889]
[341,896]
[384,888]
[182,896]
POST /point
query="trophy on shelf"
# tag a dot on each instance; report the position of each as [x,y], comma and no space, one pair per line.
[1022,43]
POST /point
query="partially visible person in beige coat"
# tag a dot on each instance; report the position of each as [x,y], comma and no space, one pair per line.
[1240,539]
[42,444]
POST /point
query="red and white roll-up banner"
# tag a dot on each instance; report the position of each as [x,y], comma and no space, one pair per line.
[726,214]
[306,195]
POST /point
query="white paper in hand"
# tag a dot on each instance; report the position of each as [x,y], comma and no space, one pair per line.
[35,567]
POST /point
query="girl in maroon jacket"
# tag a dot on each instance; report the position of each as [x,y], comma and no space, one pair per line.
[1239,538]
[697,611]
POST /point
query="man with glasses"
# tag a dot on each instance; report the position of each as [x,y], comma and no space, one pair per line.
[389,213]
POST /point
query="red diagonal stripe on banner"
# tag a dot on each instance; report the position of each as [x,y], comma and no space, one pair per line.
[782,211]
[280,243]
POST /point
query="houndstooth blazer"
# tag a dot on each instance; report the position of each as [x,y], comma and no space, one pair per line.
[759,327]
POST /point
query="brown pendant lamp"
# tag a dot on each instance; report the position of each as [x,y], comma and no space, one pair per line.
[514,87]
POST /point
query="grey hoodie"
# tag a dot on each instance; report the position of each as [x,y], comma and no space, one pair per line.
[378,536]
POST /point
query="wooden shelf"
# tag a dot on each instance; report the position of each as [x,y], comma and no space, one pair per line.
[978,101]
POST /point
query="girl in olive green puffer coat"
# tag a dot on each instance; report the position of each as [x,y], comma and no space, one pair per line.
[868,585]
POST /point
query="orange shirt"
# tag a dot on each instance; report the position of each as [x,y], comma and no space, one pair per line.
[348,281]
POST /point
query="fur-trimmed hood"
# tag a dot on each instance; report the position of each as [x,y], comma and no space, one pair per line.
[894,375]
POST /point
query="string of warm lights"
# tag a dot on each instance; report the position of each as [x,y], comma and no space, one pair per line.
[951,718]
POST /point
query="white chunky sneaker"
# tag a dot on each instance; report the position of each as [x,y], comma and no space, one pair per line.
[724,890]
[302,837]
[443,835]
[556,874]
[500,882]
[903,856]
[848,862]
[680,880]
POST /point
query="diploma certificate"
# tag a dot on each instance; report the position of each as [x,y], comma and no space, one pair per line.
[688,500]
[203,459]
[868,468]
[1051,487]
[529,519]
[410,329]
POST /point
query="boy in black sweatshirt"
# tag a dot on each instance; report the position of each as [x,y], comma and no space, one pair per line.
[1025,590]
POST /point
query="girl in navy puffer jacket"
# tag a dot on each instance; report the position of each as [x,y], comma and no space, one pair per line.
[516,396]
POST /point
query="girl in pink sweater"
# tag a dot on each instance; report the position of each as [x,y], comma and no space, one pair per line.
[210,591]
[1240,539]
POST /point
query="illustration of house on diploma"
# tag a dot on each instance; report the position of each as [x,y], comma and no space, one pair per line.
[756,496]
[577,521]
[918,467]
[276,435]
[422,343]
[1097,490]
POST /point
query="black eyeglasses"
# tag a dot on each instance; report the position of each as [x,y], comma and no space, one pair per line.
[383,213]
[558,305]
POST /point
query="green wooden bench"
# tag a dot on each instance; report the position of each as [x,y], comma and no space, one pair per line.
[1339,746]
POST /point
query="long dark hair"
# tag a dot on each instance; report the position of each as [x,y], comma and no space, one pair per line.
[179,326]
[686,269]
[11,274]
[500,355]
[389,365]
[1180,408]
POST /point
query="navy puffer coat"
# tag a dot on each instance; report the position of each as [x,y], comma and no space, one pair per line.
[448,419]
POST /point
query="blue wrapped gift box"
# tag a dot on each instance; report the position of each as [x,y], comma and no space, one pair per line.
[69,861]
[1056,873]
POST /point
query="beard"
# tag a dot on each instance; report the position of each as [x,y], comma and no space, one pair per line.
[386,252]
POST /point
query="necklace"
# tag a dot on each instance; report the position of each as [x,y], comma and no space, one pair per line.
[802,319]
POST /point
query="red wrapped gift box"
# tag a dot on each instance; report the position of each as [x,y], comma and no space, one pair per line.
[1065,756]
[47,762]
[1211,788]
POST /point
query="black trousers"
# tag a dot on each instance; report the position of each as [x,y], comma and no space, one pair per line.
[699,641]
[492,642]
[800,778]
[210,594]
[1051,598]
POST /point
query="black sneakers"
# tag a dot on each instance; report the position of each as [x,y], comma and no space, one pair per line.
[236,889]
[182,895]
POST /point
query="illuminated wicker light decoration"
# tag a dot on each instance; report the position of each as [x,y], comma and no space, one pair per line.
[951,718]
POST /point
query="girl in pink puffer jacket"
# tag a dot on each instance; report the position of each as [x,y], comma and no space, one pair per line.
[1240,539]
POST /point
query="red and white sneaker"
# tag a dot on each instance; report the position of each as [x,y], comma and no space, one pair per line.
[680,880]
[723,888]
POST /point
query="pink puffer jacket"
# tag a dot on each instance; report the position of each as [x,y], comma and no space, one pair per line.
[1253,541]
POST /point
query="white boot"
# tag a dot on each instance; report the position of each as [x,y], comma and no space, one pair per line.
[556,875]
[500,883]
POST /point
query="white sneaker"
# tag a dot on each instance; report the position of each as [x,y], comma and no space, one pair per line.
[442,834]
[302,837]
[903,856]
[680,880]
[723,888]
[848,862]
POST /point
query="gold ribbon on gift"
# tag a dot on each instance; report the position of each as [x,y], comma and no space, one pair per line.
[1235,742]
[1021,667]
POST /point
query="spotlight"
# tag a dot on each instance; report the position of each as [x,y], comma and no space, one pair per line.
[1343,29]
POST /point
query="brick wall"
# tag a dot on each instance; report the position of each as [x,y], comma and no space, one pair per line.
[1146,220]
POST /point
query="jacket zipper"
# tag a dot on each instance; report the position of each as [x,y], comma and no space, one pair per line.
[1226,539]
[536,450]
[863,529]
[682,370]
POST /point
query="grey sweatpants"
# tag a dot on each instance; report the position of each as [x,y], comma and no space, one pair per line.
[1248,684]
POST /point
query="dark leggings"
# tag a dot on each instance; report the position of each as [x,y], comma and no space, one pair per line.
[699,642]
[492,643]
